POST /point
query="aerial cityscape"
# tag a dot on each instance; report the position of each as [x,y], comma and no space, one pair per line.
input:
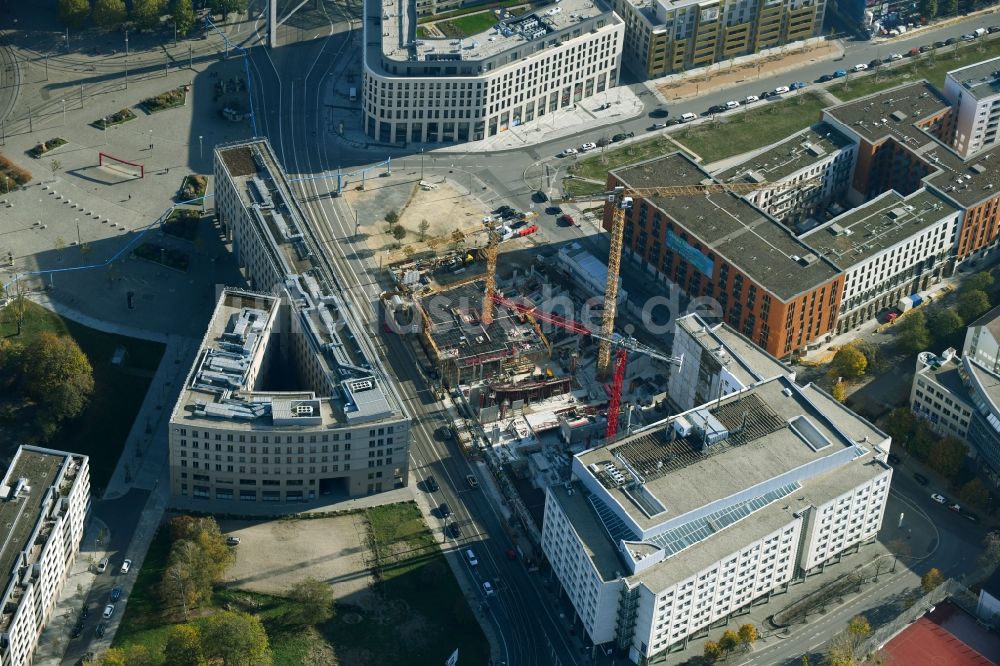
[499,333]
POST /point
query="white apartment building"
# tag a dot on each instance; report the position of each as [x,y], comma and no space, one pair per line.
[939,395]
[44,500]
[817,153]
[974,93]
[717,361]
[687,522]
[888,248]
[427,90]
[982,341]
[588,272]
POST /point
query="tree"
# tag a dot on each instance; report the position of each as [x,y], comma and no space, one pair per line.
[947,457]
[712,651]
[846,645]
[74,13]
[971,304]
[990,557]
[109,14]
[198,557]
[235,638]
[146,13]
[839,391]
[974,493]
[313,601]
[183,15]
[398,232]
[130,655]
[748,635]
[227,7]
[729,641]
[930,580]
[392,218]
[183,646]
[928,8]
[55,165]
[943,323]
[408,251]
[913,334]
[805,660]
[977,282]
[423,227]
[56,375]
[848,362]
[949,8]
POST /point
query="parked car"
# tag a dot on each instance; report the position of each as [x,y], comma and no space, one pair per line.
[920,478]
[539,197]
[993,28]
[750,99]
[925,48]
[431,484]
[873,63]
[732,104]
[487,588]
[825,78]
[897,56]
[797,85]
[232,541]
[659,113]
[839,73]
[554,210]
[116,593]
[470,555]
[126,565]
[99,632]
[860,67]
[674,121]
[109,610]
[102,565]
[519,224]
[940,44]
[567,152]
[766,93]
[968,37]
[688,117]
[511,554]
[915,51]
[951,40]
[567,219]
[587,146]
[940,499]
[444,510]
[621,136]
[894,459]
[955,507]
[657,126]
[781,90]
[472,481]
[454,531]
[716,108]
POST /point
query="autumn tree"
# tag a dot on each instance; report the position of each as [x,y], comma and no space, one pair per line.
[913,334]
[748,635]
[146,13]
[947,457]
[729,641]
[235,639]
[56,375]
[990,557]
[313,602]
[974,493]
[130,655]
[848,362]
[182,12]
[846,646]
[930,580]
[109,14]
[198,558]
[712,651]
[943,323]
[839,391]
[74,13]
[971,304]
[183,646]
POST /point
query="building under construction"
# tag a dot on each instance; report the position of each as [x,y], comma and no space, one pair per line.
[465,349]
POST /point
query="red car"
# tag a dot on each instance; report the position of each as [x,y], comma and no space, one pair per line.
[511,555]
[567,219]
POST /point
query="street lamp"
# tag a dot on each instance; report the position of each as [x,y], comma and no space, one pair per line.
[126,43]
[150,142]
[175,33]
[64,112]
[78,241]
[201,145]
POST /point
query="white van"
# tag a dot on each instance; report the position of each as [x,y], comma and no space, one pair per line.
[471,556]
[353,95]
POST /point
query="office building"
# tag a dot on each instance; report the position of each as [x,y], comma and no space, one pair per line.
[431,90]
[887,248]
[717,361]
[688,522]
[44,501]
[284,403]
[974,94]
[666,36]
[982,341]
[772,288]
[815,164]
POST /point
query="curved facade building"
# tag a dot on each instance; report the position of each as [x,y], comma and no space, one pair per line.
[455,90]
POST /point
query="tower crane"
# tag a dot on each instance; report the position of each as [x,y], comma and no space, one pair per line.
[623,345]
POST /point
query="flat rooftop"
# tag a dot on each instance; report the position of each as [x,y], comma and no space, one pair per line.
[902,114]
[458,332]
[19,514]
[745,360]
[767,431]
[982,79]
[877,225]
[987,381]
[945,371]
[529,31]
[739,233]
[800,151]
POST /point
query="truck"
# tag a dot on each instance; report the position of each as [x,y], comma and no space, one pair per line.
[909,302]
[979,32]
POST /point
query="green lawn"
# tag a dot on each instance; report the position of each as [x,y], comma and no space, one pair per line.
[100,432]
[421,618]
[732,135]
[927,66]
[469,25]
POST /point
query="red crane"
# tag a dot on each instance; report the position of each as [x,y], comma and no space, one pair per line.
[623,345]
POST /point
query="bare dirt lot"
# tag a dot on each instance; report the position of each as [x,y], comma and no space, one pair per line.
[276,554]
